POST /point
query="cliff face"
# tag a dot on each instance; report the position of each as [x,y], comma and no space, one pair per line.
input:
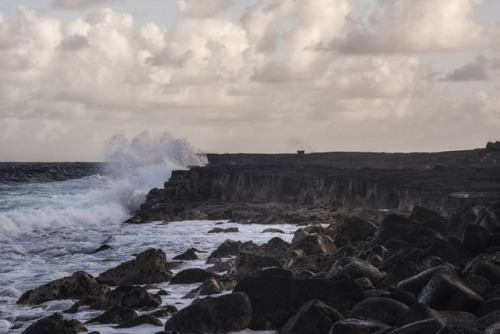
[219,192]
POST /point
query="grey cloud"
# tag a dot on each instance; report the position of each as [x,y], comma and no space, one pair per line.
[167,59]
[77,4]
[75,42]
[475,71]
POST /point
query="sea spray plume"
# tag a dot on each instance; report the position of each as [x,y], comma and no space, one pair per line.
[146,162]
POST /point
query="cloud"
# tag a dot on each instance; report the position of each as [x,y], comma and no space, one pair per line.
[203,8]
[77,4]
[475,71]
[401,26]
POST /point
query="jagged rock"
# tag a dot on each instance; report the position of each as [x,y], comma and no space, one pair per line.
[419,312]
[227,249]
[224,230]
[220,266]
[223,314]
[313,244]
[148,267]
[247,264]
[165,311]
[133,297]
[77,286]
[423,215]
[210,287]
[446,291]
[393,226]
[353,229]
[478,323]
[276,247]
[386,310]
[115,315]
[274,300]
[140,320]
[188,255]
[447,250]
[358,326]
[314,317]
[55,324]
[475,238]
[428,326]
[355,268]
[192,275]
[488,220]
[415,283]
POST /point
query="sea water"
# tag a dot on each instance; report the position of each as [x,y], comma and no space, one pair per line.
[54,216]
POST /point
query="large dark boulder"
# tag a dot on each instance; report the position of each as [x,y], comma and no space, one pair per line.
[188,255]
[386,310]
[393,226]
[314,317]
[141,320]
[419,312]
[148,267]
[475,238]
[55,324]
[486,269]
[358,326]
[247,264]
[428,326]
[276,247]
[223,314]
[77,286]
[115,315]
[192,275]
[354,268]
[274,300]
[353,229]
[134,297]
[227,249]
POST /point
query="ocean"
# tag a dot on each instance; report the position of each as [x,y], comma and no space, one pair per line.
[54,215]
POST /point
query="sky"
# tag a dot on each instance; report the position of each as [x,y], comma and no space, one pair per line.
[248,75]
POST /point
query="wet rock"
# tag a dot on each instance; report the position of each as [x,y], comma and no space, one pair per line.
[101,249]
[188,255]
[478,323]
[486,269]
[148,267]
[133,297]
[165,311]
[452,329]
[192,275]
[358,326]
[355,268]
[415,283]
[399,271]
[224,230]
[419,312]
[313,244]
[210,287]
[477,283]
[77,286]
[489,221]
[314,317]
[273,230]
[447,250]
[55,324]
[422,215]
[475,238]
[274,300]
[247,264]
[141,320]
[428,326]
[115,315]
[223,314]
[393,226]
[221,266]
[446,291]
[386,310]
[354,229]
[274,272]
[227,249]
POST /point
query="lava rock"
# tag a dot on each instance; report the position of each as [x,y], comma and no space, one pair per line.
[227,249]
[428,326]
[140,320]
[165,311]
[223,314]
[352,230]
[276,247]
[393,226]
[314,317]
[133,297]
[313,244]
[77,286]
[210,287]
[148,267]
[224,230]
[355,268]
[475,238]
[274,300]
[188,255]
[386,310]
[486,269]
[358,326]
[192,275]
[55,324]
[247,264]
[115,315]
[273,230]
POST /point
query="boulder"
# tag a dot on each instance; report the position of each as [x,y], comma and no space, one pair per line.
[353,229]
[227,249]
[393,226]
[358,326]
[210,287]
[77,286]
[55,324]
[418,312]
[448,250]
[224,230]
[133,297]
[276,247]
[165,311]
[115,315]
[355,268]
[423,215]
[273,230]
[446,291]
[148,267]
[478,323]
[313,244]
[475,238]
[223,314]
[386,310]
[141,320]
[247,264]
[192,275]
[314,317]
[274,300]
[428,326]
[188,255]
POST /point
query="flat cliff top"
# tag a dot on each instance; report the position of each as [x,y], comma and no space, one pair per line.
[468,158]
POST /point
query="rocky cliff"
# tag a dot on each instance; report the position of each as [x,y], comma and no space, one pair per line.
[253,186]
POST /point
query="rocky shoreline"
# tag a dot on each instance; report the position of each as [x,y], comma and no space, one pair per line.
[350,268]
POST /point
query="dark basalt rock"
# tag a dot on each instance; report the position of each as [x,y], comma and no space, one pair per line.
[274,300]
[115,315]
[428,326]
[223,314]
[192,275]
[224,230]
[273,230]
[140,320]
[165,311]
[313,244]
[446,249]
[247,264]
[227,249]
[354,268]
[188,255]
[352,230]
[358,326]
[133,297]
[210,287]
[423,215]
[419,312]
[148,267]
[314,317]
[276,247]
[478,323]
[55,324]
[77,286]
[386,310]
[475,238]
[392,227]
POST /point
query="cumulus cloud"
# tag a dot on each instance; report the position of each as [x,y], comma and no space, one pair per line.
[77,4]
[478,70]
[400,26]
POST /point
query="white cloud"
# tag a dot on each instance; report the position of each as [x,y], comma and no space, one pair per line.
[203,8]
[77,4]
